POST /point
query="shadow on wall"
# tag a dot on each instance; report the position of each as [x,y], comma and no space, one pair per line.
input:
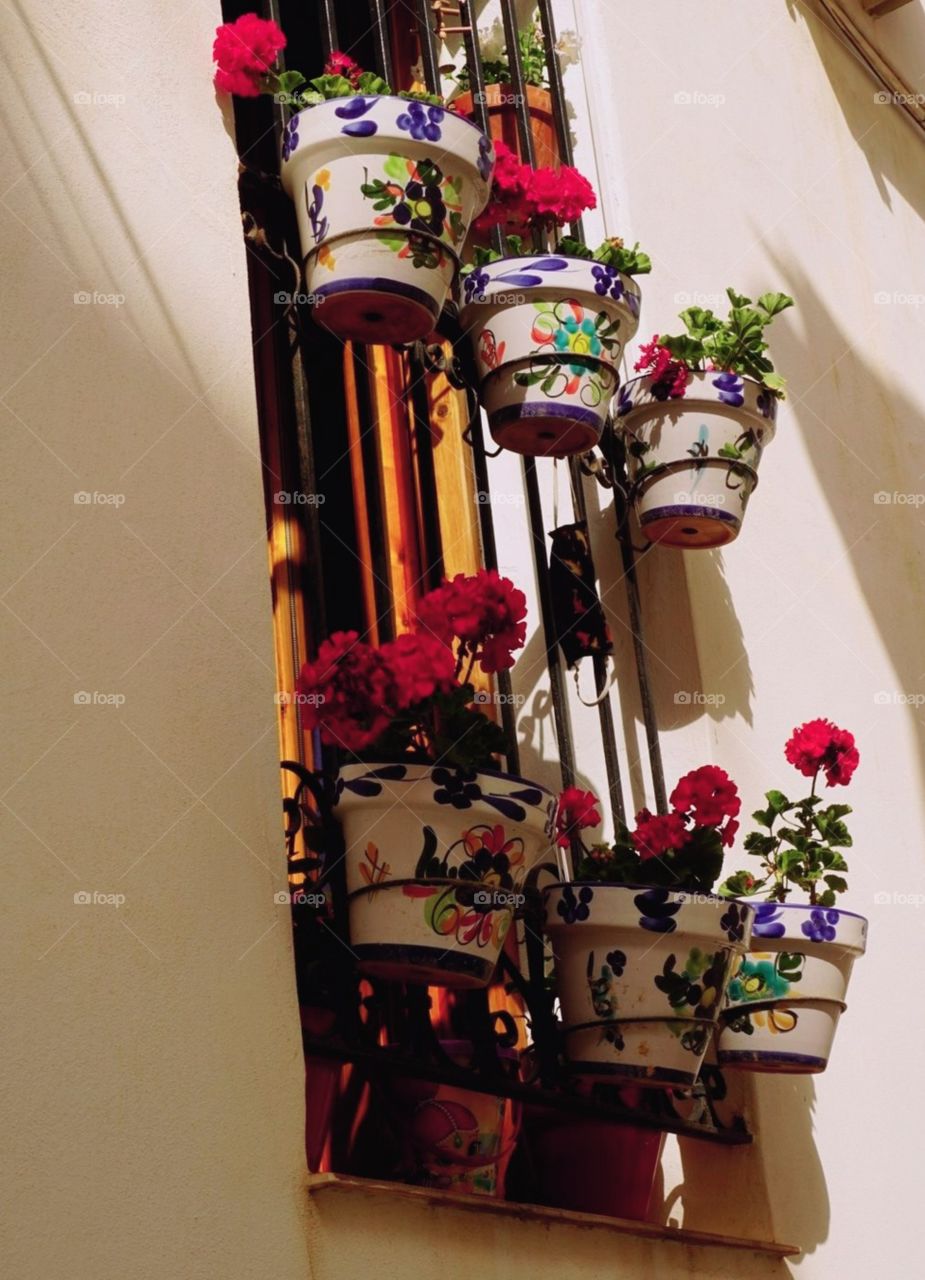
[886,163]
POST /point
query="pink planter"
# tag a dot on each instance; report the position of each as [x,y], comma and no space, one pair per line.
[593,1166]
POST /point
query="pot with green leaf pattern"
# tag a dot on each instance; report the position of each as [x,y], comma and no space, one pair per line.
[548,332]
[385,189]
[693,459]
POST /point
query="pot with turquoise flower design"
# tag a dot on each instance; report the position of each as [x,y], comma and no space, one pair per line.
[435,863]
[784,1001]
[693,459]
[384,189]
[548,332]
[641,975]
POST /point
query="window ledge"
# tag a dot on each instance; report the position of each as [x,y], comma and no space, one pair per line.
[362,1197]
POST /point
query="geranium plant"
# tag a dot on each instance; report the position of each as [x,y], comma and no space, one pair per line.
[800,842]
[496,67]
[412,699]
[682,849]
[735,345]
[543,198]
[246,50]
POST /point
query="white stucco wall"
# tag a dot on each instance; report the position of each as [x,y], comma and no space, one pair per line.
[151,1085]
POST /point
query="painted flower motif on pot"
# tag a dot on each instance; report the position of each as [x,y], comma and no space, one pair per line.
[603,992]
[821,925]
[474,285]
[450,912]
[422,121]
[607,281]
[320,185]
[352,111]
[655,911]
[768,921]
[765,976]
[734,922]
[290,137]
[491,353]
[694,991]
[455,787]
[483,855]
[729,388]
[566,329]
[417,196]
[573,907]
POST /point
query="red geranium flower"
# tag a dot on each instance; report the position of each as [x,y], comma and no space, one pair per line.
[485,611]
[348,692]
[708,794]
[662,367]
[245,50]
[820,744]
[557,196]
[420,664]
[656,834]
[341,64]
[577,810]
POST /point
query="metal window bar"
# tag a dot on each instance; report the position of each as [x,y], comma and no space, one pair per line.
[327,980]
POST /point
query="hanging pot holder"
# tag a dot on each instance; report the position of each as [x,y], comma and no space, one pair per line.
[581,628]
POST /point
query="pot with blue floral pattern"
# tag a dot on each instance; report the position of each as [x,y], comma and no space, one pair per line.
[548,331]
[693,459]
[641,975]
[385,189]
[785,999]
[435,861]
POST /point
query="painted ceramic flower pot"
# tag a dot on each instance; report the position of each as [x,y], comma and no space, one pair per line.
[454,1138]
[593,1166]
[693,461]
[548,332]
[783,1003]
[641,975]
[384,190]
[435,858]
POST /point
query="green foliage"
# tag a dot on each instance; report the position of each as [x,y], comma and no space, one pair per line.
[735,344]
[693,869]
[498,70]
[322,88]
[612,253]
[457,733]
[799,848]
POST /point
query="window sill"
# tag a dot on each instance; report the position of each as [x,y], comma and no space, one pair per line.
[380,1205]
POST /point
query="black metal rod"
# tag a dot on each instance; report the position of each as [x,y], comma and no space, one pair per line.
[428,44]
[471,44]
[328,24]
[616,457]
[427,484]
[557,93]
[381,36]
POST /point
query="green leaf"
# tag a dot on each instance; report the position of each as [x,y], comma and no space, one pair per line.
[729,451]
[372,85]
[774,303]
[774,382]
[737,299]
[838,883]
[289,81]
[778,801]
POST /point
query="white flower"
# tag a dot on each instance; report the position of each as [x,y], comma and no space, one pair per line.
[491,42]
[567,47]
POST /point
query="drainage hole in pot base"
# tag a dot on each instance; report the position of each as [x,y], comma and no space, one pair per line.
[374,316]
[677,529]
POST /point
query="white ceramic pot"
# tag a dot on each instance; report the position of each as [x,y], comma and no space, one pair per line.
[384,191]
[693,460]
[435,860]
[548,332]
[783,1004]
[641,975]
